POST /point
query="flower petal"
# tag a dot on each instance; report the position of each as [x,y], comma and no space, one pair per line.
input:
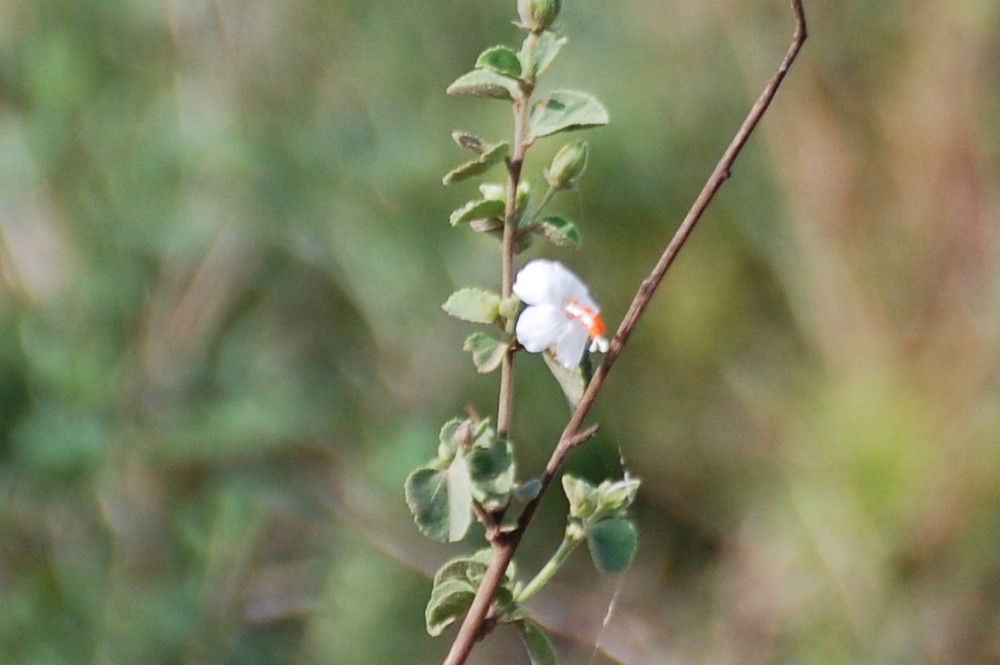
[569,349]
[540,327]
[544,282]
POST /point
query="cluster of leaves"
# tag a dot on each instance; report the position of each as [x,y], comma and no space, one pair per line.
[599,515]
[474,473]
[500,73]
[455,586]
[472,465]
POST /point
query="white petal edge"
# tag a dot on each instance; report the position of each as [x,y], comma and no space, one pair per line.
[545,282]
[540,327]
[569,348]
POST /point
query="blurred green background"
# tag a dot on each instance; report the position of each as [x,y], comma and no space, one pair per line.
[223,247]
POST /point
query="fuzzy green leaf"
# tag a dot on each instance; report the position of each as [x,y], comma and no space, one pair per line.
[441,500]
[465,568]
[612,544]
[473,305]
[539,648]
[469,141]
[487,352]
[459,499]
[487,84]
[454,433]
[485,557]
[566,110]
[479,165]
[500,59]
[559,231]
[491,469]
[572,381]
[449,602]
[478,209]
[546,50]
[528,490]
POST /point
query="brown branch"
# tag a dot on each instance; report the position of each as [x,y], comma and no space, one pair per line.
[504,546]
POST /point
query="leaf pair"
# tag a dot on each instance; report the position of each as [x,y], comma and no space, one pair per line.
[500,73]
[455,586]
[602,512]
[562,111]
[482,306]
[472,465]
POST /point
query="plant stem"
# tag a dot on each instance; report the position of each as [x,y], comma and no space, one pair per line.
[522,142]
[566,548]
[504,546]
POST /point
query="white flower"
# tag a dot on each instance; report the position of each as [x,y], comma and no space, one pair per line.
[560,312]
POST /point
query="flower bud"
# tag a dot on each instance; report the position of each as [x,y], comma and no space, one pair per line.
[538,15]
[582,496]
[618,496]
[567,165]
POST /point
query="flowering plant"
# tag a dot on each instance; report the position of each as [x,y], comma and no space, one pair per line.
[560,313]
[544,309]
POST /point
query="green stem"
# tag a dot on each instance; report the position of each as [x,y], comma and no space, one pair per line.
[566,548]
[550,192]
[521,109]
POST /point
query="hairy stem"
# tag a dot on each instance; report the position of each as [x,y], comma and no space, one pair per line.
[573,434]
[507,250]
[566,548]
[504,546]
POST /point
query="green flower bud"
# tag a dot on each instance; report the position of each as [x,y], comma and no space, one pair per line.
[582,496]
[616,497]
[538,15]
[523,195]
[567,165]
[575,531]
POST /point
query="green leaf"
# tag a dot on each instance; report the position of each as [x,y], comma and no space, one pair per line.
[491,469]
[612,544]
[473,305]
[478,166]
[528,490]
[566,110]
[455,584]
[487,84]
[572,381]
[500,59]
[449,601]
[493,226]
[441,500]
[470,141]
[487,352]
[485,557]
[559,231]
[459,499]
[539,648]
[478,209]
[467,568]
[546,50]
[454,433]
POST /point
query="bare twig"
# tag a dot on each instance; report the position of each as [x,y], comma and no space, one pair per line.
[506,544]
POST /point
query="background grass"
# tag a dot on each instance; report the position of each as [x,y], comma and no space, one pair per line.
[223,246]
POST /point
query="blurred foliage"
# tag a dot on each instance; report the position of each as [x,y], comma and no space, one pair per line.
[223,247]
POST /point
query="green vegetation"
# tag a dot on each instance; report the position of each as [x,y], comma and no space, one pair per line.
[224,241]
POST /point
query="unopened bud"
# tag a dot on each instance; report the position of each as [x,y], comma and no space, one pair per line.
[538,15]
[582,496]
[567,165]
